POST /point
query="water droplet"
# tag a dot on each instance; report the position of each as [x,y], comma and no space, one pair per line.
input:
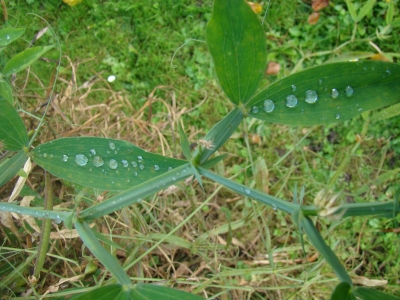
[247,191]
[125,163]
[349,91]
[294,87]
[8,37]
[311,96]
[134,164]
[170,168]
[141,166]
[269,106]
[64,158]
[139,200]
[113,164]
[98,161]
[388,72]
[173,178]
[360,109]
[135,173]
[93,151]
[320,81]
[178,173]
[334,93]
[291,101]
[337,116]
[44,154]
[111,145]
[140,158]
[156,167]
[57,220]
[81,160]
[254,110]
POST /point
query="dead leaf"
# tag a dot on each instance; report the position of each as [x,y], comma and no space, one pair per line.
[313,18]
[317,5]
[273,68]
[361,280]
[256,7]
[379,56]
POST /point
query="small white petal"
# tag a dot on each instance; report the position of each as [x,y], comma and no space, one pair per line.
[111,78]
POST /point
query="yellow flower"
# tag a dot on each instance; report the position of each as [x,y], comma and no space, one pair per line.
[72,2]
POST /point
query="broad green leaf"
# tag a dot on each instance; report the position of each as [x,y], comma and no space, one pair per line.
[328,93]
[156,292]
[367,7]
[372,294]
[10,34]
[6,91]
[110,262]
[10,165]
[24,59]
[108,292]
[318,242]
[343,291]
[352,10]
[237,44]
[13,134]
[101,163]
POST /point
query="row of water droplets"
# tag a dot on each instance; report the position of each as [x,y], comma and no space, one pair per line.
[311,96]
[38,214]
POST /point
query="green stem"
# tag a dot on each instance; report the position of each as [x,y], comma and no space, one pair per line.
[46,228]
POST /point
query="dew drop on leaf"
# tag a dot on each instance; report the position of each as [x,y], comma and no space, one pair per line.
[113,164]
[247,191]
[269,106]
[98,161]
[337,116]
[140,158]
[111,145]
[44,154]
[388,72]
[156,167]
[254,110]
[349,91]
[141,167]
[170,168]
[64,158]
[334,93]
[81,160]
[125,163]
[294,87]
[135,173]
[93,151]
[311,96]
[7,36]
[291,101]
[134,164]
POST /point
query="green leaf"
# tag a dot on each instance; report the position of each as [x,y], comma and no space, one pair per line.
[343,291]
[386,113]
[318,242]
[156,292]
[237,44]
[341,91]
[108,292]
[110,262]
[13,134]
[10,34]
[184,142]
[390,12]
[367,7]
[24,59]
[10,165]
[6,91]
[101,163]
[372,294]
[213,161]
[352,10]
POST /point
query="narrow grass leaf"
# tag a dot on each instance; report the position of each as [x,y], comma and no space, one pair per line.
[390,12]
[367,7]
[109,261]
[156,292]
[213,161]
[107,241]
[237,44]
[220,133]
[35,212]
[137,193]
[352,10]
[13,134]
[10,165]
[184,142]
[343,291]
[318,242]
[372,294]
[18,271]
[108,292]
[386,113]
[101,163]
[6,91]
[328,93]
[24,59]
[10,34]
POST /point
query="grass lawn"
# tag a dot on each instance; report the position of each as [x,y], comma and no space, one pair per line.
[233,247]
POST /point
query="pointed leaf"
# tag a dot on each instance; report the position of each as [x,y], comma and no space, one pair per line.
[6,91]
[352,10]
[24,59]
[237,44]
[372,294]
[10,166]
[101,163]
[13,134]
[184,142]
[156,292]
[343,292]
[108,292]
[367,7]
[10,34]
[328,93]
